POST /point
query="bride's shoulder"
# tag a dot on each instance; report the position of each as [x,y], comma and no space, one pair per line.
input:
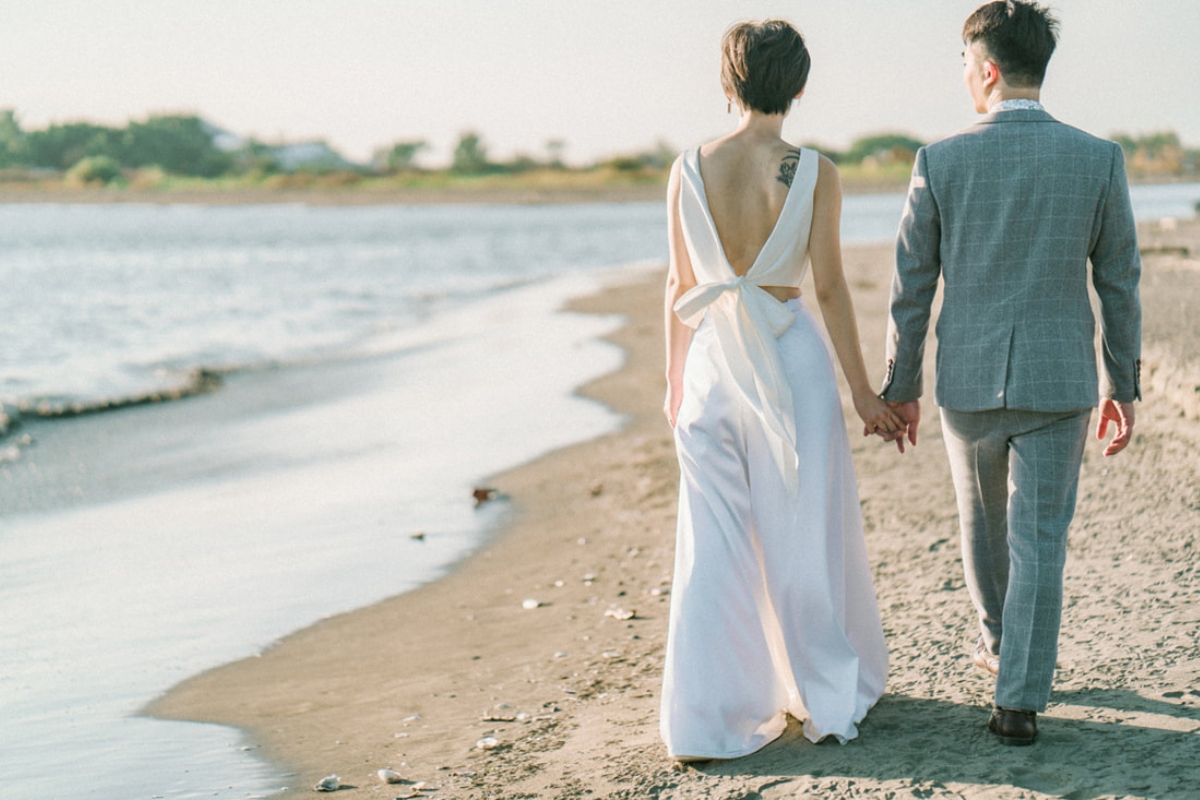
[794,159]
[829,181]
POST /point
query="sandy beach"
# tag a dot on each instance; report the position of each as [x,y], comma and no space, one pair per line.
[569,689]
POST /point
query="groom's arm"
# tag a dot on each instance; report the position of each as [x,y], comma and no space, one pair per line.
[1116,272]
[914,285]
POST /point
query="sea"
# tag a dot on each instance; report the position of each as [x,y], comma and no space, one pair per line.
[109,599]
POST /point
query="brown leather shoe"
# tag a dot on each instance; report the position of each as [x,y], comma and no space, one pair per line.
[985,660]
[1014,726]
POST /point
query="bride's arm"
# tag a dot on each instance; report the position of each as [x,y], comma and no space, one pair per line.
[680,278]
[833,295]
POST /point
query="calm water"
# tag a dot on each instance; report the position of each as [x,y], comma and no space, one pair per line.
[103,606]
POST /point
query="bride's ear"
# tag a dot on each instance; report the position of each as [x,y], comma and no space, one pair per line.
[799,94]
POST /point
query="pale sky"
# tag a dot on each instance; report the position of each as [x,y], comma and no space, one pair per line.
[607,77]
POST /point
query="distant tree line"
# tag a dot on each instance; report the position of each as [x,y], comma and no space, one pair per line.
[471,155]
[181,145]
[877,150]
[1158,153]
[175,144]
[186,145]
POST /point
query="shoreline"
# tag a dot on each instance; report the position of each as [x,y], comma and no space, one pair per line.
[317,194]
[569,691]
[146,544]
[516,194]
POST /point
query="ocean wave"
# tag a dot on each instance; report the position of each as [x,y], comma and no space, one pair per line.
[192,382]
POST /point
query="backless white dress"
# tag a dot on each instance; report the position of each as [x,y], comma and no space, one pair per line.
[772,609]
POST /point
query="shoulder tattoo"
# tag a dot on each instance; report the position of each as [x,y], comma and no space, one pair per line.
[787,167]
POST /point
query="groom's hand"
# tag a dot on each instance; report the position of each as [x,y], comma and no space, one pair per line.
[1122,415]
[910,414]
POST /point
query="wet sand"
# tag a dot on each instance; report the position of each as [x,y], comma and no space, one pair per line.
[569,690]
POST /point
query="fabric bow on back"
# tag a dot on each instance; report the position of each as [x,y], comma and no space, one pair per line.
[745,317]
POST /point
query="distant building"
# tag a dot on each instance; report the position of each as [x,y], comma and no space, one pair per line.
[315,155]
[309,156]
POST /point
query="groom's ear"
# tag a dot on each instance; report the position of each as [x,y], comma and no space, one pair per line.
[991,73]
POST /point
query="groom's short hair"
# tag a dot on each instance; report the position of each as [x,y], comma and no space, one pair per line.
[1018,36]
[764,65]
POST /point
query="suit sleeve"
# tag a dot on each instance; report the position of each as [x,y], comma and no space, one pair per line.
[914,284]
[1116,272]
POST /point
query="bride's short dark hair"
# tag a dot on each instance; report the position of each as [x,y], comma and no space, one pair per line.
[764,65]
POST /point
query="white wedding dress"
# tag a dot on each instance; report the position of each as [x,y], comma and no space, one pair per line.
[772,609]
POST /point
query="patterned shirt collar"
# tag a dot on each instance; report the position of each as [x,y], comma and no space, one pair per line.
[1016,105]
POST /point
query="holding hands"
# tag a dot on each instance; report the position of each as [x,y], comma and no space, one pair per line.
[907,415]
[880,417]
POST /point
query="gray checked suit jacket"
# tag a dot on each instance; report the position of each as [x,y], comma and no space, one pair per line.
[1008,213]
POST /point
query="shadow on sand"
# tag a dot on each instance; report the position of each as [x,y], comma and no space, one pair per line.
[1150,749]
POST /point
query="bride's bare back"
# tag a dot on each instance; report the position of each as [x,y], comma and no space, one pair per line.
[746,181]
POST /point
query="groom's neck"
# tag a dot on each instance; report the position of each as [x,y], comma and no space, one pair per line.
[1003,91]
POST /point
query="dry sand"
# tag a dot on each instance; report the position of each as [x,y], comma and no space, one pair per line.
[571,693]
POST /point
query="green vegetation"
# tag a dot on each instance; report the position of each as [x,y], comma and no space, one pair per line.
[174,152]
[1158,154]
[94,169]
[879,150]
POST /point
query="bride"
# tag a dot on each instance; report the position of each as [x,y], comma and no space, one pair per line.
[773,610]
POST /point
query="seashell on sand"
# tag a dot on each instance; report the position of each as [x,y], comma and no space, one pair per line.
[620,613]
[530,604]
[330,783]
[488,743]
[389,776]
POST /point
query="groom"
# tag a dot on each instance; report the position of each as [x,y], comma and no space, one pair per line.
[1008,213]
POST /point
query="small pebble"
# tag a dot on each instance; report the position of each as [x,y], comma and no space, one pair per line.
[530,604]
[389,776]
[620,613]
[488,743]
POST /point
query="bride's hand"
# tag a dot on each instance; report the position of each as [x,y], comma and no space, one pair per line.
[878,417]
[671,403]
